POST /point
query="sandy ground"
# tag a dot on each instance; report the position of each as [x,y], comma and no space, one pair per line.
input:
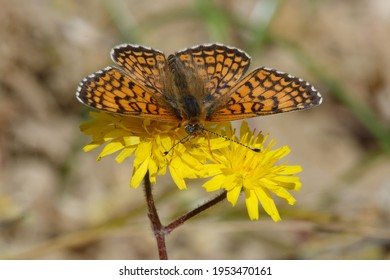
[57,202]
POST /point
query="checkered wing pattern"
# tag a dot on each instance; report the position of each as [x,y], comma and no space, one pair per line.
[144,65]
[264,92]
[219,66]
[113,90]
[139,86]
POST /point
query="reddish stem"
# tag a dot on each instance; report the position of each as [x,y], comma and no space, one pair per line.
[158,228]
[161,231]
[179,221]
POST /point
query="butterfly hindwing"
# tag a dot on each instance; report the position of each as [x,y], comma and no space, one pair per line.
[219,66]
[264,92]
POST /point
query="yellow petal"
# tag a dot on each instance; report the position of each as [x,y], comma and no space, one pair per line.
[214,184]
[139,174]
[110,148]
[152,171]
[289,182]
[268,203]
[92,145]
[233,194]
[142,153]
[282,193]
[212,170]
[125,153]
[177,178]
[291,169]
[232,181]
[115,133]
[131,140]
[252,204]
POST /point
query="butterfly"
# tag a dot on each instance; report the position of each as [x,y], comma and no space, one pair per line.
[204,83]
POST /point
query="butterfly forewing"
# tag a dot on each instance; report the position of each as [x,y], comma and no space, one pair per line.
[219,66]
[144,65]
[264,92]
[113,91]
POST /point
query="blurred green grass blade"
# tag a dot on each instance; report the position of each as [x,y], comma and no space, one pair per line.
[366,116]
[363,113]
[261,19]
[215,19]
[156,21]
[122,19]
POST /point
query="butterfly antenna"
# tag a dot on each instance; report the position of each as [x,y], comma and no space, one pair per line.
[183,140]
[232,140]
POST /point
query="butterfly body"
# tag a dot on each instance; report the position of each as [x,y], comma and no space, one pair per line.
[185,92]
[193,86]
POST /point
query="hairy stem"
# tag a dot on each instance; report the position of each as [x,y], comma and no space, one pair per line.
[158,229]
[179,221]
[161,231]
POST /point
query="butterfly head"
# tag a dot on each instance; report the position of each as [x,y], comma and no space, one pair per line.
[194,129]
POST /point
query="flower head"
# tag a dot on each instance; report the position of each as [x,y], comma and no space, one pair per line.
[155,145]
[238,169]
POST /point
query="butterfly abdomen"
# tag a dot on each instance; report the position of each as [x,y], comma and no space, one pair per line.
[191,107]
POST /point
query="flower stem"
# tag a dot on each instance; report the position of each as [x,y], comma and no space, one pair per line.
[158,228]
[161,231]
[195,212]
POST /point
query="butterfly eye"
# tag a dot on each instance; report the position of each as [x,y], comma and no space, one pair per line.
[193,128]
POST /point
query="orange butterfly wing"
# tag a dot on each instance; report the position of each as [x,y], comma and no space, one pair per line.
[144,65]
[135,88]
[114,91]
[264,92]
[219,66]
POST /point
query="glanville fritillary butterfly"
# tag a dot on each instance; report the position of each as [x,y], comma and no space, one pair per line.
[205,83]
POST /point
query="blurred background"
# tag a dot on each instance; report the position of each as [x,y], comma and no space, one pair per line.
[57,202]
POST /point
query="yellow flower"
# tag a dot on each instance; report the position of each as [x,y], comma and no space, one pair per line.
[150,141]
[239,169]
[234,165]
